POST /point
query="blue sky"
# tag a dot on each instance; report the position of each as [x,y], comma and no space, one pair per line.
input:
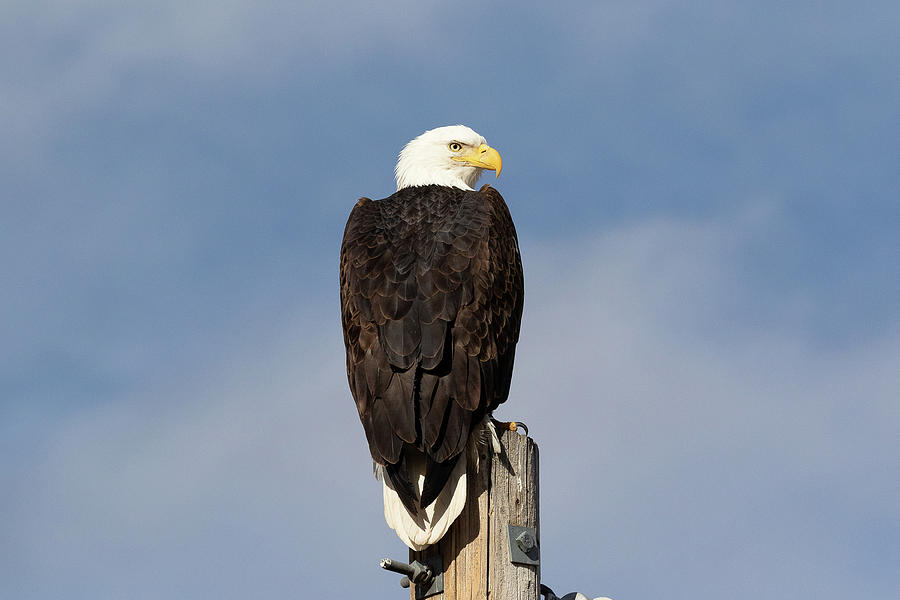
[706,199]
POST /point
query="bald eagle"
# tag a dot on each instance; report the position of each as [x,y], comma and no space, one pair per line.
[431,301]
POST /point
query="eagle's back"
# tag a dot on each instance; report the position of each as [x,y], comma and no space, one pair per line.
[431,299]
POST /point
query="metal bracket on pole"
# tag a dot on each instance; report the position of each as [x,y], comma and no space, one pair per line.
[428,577]
[523,546]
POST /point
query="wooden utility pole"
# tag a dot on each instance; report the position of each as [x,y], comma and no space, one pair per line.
[476,551]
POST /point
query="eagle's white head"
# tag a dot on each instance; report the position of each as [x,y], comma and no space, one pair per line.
[453,156]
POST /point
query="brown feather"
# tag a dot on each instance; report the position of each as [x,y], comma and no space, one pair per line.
[433,417]
[399,403]
[431,302]
[387,444]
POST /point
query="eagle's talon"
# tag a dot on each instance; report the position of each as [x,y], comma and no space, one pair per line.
[511,426]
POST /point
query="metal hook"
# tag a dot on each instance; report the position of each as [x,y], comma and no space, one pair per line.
[415,573]
[428,578]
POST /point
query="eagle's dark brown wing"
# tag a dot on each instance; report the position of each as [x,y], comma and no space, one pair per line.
[431,301]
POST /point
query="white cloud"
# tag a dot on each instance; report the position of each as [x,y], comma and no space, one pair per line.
[676,434]
[250,464]
[62,58]
[746,459]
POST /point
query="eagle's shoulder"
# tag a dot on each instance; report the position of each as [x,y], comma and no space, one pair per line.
[362,206]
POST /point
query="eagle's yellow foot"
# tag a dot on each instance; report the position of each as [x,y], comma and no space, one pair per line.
[510,426]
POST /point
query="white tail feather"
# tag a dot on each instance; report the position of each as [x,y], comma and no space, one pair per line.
[426,527]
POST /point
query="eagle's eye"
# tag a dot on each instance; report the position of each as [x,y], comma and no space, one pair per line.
[455,146]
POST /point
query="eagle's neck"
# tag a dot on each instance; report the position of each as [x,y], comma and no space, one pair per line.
[456,176]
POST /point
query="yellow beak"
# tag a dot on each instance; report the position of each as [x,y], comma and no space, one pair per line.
[483,157]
